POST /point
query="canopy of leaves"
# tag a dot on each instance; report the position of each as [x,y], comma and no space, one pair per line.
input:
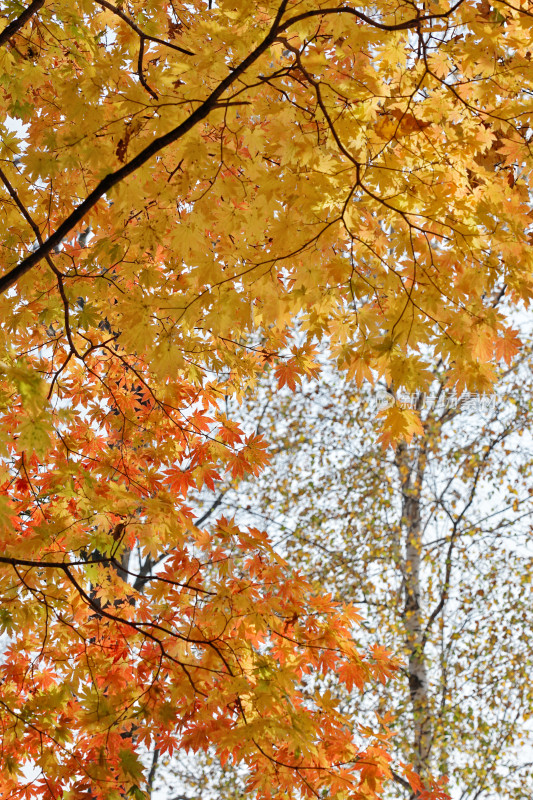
[173,177]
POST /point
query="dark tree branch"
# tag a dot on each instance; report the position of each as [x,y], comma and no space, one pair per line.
[64,565]
[151,774]
[160,143]
[140,73]
[400,780]
[214,505]
[203,110]
[145,572]
[138,31]
[143,37]
[21,207]
[409,24]
[20,21]
[96,558]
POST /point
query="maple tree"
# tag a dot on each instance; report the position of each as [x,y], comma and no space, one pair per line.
[178,181]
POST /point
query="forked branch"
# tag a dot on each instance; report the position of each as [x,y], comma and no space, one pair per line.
[200,113]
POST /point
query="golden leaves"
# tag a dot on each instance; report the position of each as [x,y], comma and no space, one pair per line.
[327,174]
[399,423]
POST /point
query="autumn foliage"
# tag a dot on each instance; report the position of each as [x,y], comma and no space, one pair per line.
[181,183]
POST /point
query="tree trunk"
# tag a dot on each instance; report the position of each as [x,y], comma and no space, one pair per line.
[410,464]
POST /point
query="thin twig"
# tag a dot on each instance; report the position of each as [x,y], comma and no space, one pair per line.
[133,25]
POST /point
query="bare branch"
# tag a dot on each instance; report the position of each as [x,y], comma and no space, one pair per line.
[214,505]
[151,774]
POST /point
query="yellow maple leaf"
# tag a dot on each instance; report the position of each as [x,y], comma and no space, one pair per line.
[398,424]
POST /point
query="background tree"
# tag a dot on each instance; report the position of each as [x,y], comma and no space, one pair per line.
[432,540]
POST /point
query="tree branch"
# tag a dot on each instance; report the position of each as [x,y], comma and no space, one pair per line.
[143,38]
[214,505]
[138,31]
[20,21]
[151,774]
[64,565]
[203,110]
[414,22]
[35,228]
[160,143]
[400,780]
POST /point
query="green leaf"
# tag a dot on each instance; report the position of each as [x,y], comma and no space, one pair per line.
[34,437]
[138,793]
[6,621]
[130,764]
